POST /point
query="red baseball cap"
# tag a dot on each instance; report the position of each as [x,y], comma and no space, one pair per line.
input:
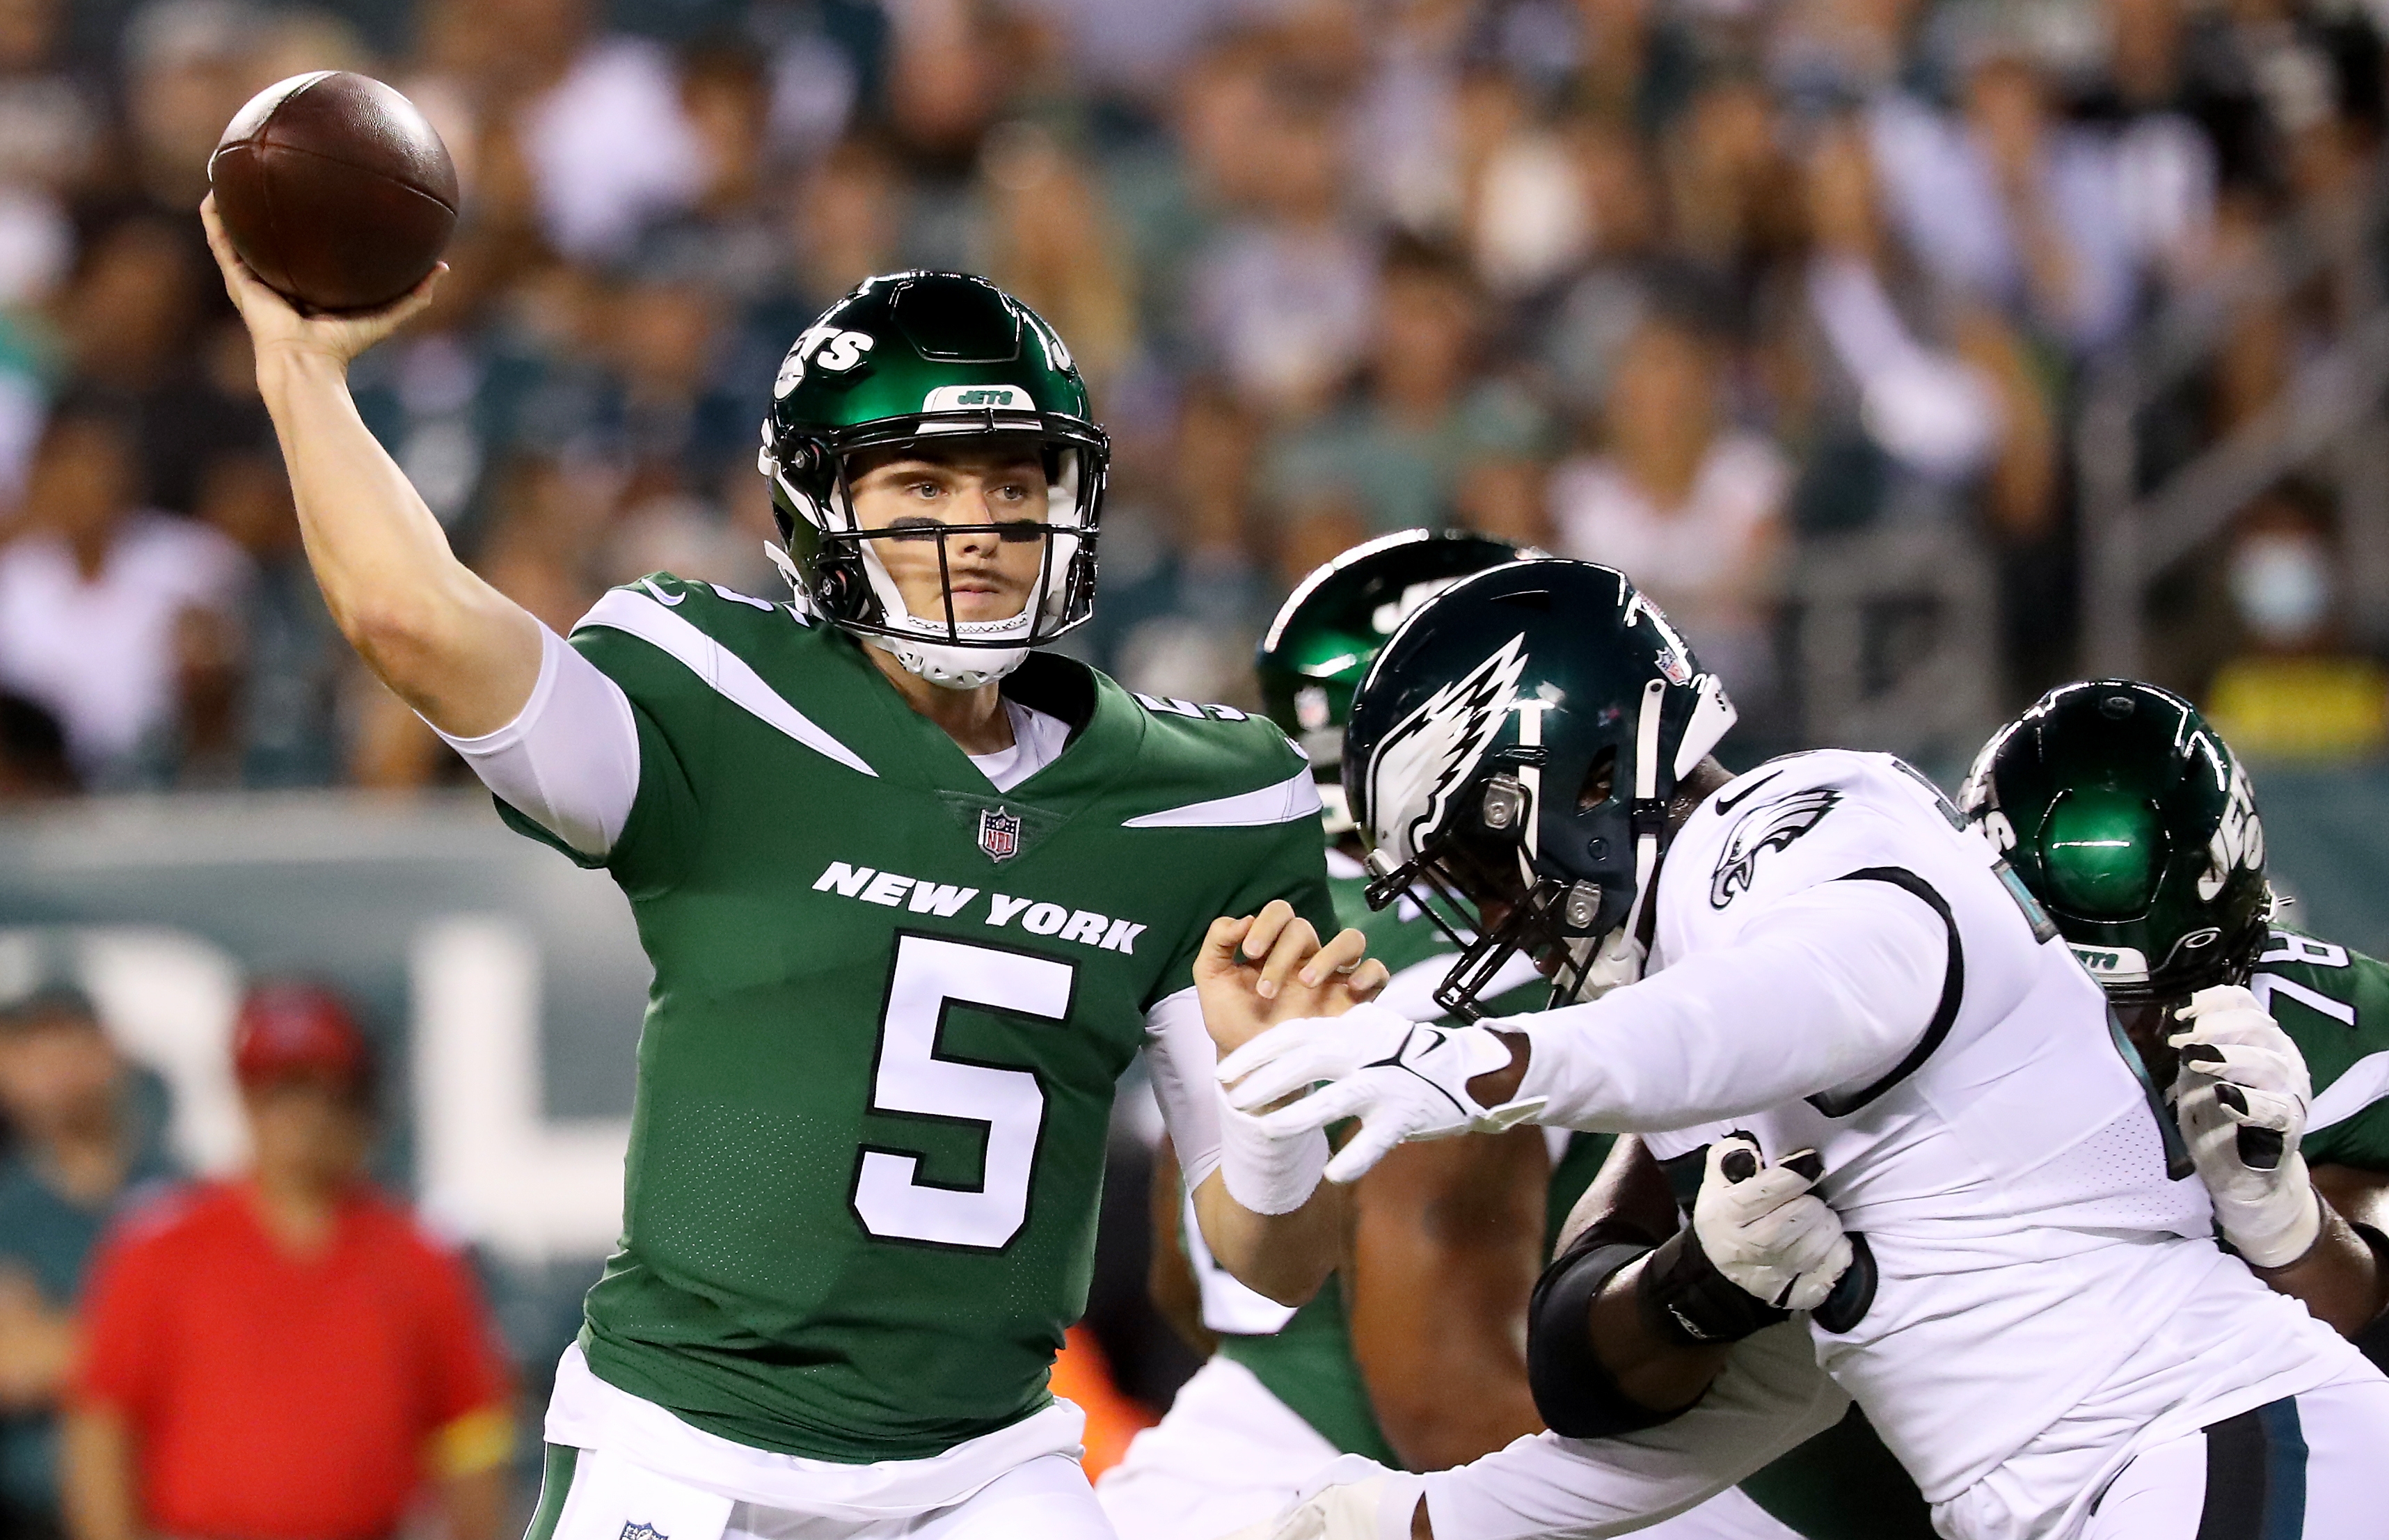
[299,1029]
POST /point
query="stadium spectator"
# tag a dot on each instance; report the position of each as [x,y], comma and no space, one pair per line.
[286,1355]
[81,1147]
[93,590]
[1425,441]
[1688,502]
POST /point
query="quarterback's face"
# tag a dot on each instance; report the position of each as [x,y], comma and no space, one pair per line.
[990,572]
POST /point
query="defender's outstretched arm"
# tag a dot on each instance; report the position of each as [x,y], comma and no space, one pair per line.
[449,645]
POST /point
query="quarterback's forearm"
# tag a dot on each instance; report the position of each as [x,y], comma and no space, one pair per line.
[1447,1239]
[2342,1280]
[451,646]
[1281,1256]
[1828,989]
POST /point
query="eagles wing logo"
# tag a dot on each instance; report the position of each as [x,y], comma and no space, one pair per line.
[1769,826]
[1426,758]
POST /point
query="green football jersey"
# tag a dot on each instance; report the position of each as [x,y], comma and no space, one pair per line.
[890,1008]
[1308,1362]
[2334,1005]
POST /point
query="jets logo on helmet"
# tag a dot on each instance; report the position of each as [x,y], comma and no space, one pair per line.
[1769,826]
[1426,758]
[2238,840]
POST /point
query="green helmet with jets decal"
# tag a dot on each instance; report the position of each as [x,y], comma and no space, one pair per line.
[1328,631]
[1516,742]
[931,359]
[2131,820]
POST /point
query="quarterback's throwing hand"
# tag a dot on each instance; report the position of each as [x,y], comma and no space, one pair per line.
[2242,1095]
[1402,1079]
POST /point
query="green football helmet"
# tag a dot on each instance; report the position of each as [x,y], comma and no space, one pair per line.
[2127,817]
[1315,653]
[944,357]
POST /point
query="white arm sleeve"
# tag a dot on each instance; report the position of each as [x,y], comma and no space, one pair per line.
[1180,1060]
[1831,987]
[569,761]
[1771,1398]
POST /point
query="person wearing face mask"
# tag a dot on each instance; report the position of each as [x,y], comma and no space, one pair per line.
[2293,688]
[916,893]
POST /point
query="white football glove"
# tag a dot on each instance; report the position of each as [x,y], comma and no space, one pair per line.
[2242,1095]
[1765,1230]
[1353,1498]
[1402,1079]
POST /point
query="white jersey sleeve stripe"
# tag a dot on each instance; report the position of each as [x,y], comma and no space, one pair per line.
[1294,798]
[2365,1082]
[569,761]
[723,671]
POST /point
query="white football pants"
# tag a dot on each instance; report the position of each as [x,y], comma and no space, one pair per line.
[2311,1466]
[1044,1498]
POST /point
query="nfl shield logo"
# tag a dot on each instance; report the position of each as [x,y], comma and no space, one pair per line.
[999,834]
[642,1532]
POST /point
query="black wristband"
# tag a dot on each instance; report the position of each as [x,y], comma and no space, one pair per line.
[1575,1395]
[1686,1301]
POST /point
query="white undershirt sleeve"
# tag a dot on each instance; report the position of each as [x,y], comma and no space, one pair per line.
[1181,1061]
[1829,988]
[569,761]
[1769,1398]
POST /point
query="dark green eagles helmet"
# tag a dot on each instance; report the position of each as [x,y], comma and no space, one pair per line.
[936,356]
[2127,817]
[1330,628]
[1517,741]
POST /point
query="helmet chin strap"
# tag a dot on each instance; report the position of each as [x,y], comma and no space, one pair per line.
[1621,953]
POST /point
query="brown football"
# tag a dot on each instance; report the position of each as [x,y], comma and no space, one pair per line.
[335,190]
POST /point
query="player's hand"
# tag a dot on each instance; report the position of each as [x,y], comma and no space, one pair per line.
[2242,1095]
[275,325]
[1255,970]
[1351,1498]
[1402,1079]
[1765,1230]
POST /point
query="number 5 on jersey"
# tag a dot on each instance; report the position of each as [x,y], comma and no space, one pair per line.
[913,1080]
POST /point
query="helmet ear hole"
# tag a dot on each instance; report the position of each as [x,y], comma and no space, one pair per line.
[1599,780]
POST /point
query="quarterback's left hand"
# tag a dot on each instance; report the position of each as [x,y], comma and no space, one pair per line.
[2241,1096]
[1402,1079]
[1259,969]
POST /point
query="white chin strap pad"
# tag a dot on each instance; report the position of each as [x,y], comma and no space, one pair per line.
[924,652]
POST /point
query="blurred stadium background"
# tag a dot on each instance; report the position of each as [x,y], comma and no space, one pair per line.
[1917,354]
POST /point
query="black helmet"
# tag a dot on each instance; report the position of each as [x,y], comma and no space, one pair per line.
[1519,740]
[2127,817]
[1328,631]
[931,358]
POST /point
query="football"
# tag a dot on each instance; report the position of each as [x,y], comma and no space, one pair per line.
[335,190]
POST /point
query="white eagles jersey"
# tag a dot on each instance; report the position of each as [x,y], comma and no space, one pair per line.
[2008,1168]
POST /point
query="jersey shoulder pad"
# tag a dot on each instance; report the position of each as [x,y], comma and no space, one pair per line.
[1792,822]
[701,625]
[1209,764]
[2338,992]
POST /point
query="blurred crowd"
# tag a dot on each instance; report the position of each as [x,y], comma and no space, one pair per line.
[1710,289]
